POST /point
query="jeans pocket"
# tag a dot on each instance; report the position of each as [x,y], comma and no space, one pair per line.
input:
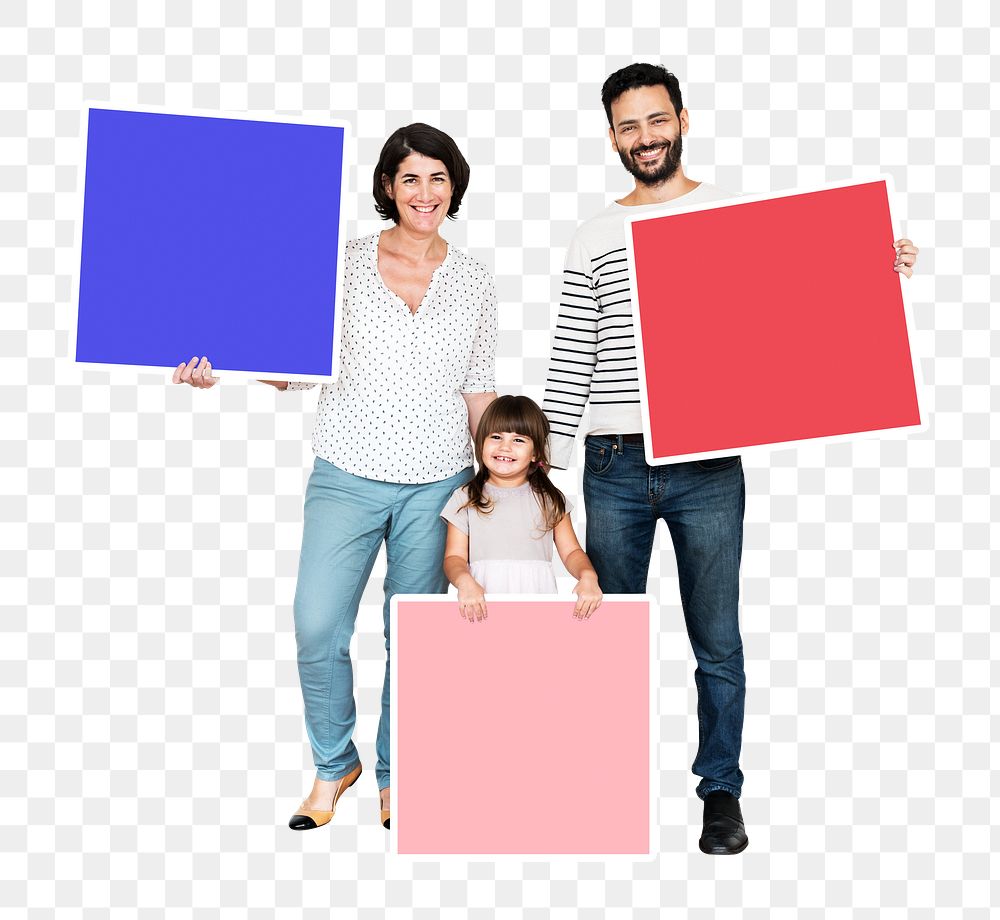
[713,464]
[598,457]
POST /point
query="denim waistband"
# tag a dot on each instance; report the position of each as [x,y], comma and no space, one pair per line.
[621,441]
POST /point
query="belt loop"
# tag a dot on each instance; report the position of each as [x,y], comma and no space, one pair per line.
[621,444]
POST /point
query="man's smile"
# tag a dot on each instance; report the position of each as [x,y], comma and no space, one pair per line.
[651,154]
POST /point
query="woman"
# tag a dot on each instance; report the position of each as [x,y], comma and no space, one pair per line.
[418,354]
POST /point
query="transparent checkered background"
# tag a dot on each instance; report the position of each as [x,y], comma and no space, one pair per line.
[151,741]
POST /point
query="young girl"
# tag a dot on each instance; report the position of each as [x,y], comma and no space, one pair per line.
[502,524]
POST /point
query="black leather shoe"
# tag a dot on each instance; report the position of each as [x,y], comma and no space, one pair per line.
[722,832]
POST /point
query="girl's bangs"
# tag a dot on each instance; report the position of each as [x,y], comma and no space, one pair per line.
[505,414]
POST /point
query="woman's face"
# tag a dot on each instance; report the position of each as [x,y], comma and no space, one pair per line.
[421,190]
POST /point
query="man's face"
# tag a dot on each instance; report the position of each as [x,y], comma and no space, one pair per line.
[646,132]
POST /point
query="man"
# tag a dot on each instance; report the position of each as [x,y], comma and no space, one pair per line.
[593,357]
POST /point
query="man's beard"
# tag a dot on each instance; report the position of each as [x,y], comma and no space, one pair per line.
[666,169]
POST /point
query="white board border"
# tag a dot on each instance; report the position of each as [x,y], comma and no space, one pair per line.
[566,859]
[347,157]
[894,433]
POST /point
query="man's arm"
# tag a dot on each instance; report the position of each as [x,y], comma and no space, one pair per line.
[572,357]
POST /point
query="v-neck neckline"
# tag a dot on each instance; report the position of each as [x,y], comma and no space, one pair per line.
[392,293]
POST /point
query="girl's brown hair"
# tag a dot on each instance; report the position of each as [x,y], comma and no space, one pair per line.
[522,416]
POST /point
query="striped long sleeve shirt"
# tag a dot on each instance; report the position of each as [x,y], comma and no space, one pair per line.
[593,348]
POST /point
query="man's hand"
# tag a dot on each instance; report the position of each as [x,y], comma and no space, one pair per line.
[906,257]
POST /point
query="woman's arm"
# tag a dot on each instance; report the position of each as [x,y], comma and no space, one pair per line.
[587,590]
[471,598]
[199,375]
[476,404]
[478,389]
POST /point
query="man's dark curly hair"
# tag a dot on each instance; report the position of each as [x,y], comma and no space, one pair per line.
[423,139]
[636,75]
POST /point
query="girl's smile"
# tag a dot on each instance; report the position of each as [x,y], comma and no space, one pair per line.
[508,456]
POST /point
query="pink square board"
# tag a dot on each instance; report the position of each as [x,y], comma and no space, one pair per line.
[770,320]
[526,733]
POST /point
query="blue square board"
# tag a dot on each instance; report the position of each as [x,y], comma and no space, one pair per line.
[211,236]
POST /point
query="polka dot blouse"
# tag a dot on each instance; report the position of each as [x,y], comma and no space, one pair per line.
[396,412]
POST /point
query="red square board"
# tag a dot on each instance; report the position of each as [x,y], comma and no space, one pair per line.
[770,320]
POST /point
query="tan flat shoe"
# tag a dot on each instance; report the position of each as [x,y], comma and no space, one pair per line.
[384,813]
[306,819]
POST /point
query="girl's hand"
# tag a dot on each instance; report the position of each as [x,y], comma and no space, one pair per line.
[906,257]
[588,596]
[197,373]
[471,599]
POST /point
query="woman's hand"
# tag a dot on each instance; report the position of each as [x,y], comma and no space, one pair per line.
[196,373]
[471,599]
[199,374]
[588,596]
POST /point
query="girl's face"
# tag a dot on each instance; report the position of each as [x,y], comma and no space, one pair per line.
[508,456]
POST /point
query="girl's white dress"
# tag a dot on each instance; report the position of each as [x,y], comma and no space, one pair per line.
[510,551]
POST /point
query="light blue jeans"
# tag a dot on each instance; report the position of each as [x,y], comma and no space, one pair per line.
[346,519]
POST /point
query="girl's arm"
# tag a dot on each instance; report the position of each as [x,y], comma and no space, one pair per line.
[587,590]
[471,598]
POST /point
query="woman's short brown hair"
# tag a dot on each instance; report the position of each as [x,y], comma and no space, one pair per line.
[429,142]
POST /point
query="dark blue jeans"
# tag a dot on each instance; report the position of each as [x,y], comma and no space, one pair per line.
[702,503]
